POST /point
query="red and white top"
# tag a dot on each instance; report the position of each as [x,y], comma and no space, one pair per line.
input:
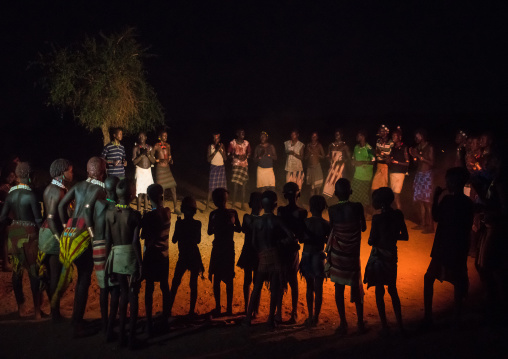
[239,149]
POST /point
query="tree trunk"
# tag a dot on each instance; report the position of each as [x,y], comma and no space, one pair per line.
[105,134]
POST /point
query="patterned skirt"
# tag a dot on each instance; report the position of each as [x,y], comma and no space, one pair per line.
[217,178]
[164,177]
[423,186]
[240,175]
[361,191]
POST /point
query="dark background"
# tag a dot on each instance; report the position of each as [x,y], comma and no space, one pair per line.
[269,66]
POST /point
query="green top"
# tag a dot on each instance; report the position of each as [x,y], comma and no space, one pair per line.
[363,172]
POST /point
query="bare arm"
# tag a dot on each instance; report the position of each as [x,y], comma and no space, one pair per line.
[52,212]
[5,211]
[404,236]
[211,225]
[237,224]
[64,203]
[274,153]
[363,223]
[136,157]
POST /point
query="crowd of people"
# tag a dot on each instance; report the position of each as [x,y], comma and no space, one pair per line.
[92,227]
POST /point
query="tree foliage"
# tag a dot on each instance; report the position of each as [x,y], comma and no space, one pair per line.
[102,82]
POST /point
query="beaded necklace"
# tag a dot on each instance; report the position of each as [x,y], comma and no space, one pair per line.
[342,202]
[96,182]
[110,200]
[58,184]
[20,186]
[123,206]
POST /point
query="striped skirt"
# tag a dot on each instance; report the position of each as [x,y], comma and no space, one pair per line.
[164,177]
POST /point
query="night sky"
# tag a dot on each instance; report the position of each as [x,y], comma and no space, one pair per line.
[273,66]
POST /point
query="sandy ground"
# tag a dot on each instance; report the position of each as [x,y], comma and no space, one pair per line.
[25,338]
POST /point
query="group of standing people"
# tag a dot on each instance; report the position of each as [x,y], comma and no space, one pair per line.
[91,226]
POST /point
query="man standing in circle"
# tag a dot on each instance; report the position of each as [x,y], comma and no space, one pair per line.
[143,159]
[239,150]
[114,154]
[294,151]
[264,155]
[163,158]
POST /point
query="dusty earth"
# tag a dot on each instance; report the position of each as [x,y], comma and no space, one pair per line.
[25,338]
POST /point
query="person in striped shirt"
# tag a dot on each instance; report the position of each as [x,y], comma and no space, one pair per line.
[114,154]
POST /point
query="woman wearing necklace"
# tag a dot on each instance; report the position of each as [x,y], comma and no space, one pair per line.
[338,153]
[52,228]
[75,242]
[22,236]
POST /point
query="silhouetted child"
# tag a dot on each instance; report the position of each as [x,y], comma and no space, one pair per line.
[222,224]
[388,227]
[293,217]
[268,234]
[155,231]
[248,260]
[312,265]
[188,236]
[454,217]
[124,260]
[348,222]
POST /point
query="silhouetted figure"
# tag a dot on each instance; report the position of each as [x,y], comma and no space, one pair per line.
[248,260]
[454,217]
[188,236]
[268,234]
[124,261]
[52,228]
[143,159]
[347,220]
[102,206]
[8,180]
[239,151]
[293,217]
[76,240]
[22,236]
[216,156]
[223,222]
[312,265]
[388,227]
[155,231]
